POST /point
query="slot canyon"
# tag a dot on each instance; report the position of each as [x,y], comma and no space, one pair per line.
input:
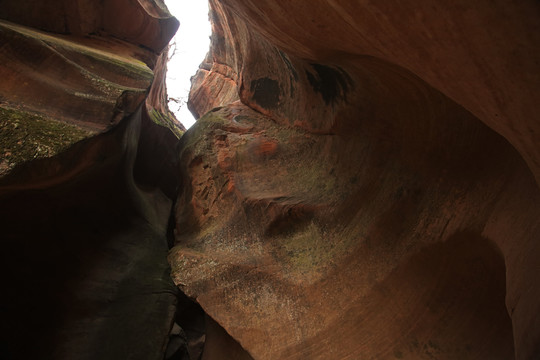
[362,182]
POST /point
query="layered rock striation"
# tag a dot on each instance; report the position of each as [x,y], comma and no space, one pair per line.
[87,179]
[364,181]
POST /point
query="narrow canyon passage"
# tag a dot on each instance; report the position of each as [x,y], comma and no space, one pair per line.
[361,182]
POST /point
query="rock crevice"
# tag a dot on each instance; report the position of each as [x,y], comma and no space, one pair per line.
[362,182]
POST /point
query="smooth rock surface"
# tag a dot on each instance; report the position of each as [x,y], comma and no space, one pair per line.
[363,182]
[84,204]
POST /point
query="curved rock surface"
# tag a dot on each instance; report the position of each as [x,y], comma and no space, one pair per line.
[363,182]
[87,180]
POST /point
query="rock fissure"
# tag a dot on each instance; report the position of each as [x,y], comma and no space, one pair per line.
[408,233]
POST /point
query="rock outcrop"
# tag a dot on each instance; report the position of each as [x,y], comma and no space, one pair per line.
[364,181]
[88,177]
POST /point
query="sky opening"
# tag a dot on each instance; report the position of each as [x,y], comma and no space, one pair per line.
[188,49]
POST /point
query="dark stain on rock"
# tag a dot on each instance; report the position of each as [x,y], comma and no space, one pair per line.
[266,92]
[290,66]
[332,83]
[293,74]
[295,219]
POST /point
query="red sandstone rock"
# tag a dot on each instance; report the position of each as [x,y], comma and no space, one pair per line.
[361,186]
[87,180]
[353,203]
[484,56]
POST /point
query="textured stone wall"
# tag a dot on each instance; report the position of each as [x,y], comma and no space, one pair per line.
[87,180]
[363,182]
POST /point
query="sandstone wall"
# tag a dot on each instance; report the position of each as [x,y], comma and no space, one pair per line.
[87,180]
[363,182]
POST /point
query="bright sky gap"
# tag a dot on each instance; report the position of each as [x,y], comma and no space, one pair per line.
[192,42]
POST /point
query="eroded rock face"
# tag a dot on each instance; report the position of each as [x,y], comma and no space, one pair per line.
[362,184]
[87,180]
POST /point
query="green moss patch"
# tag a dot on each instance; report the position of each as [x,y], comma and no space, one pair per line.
[166,120]
[204,125]
[25,137]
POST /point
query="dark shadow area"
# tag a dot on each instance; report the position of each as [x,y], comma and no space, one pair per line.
[196,336]
[220,345]
[445,302]
[189,331]
[84,274]
[448,302]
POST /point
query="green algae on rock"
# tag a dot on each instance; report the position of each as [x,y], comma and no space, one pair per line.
[25,137]
[166,120]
